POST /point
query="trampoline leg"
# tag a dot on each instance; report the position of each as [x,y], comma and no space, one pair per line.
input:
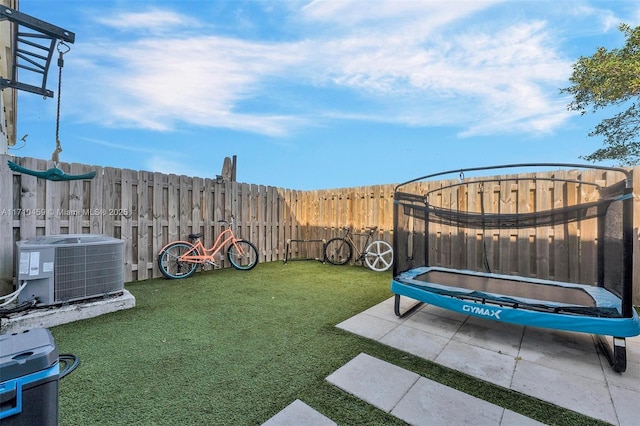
[396,307]
[616,355]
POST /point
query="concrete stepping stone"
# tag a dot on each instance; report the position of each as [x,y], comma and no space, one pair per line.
[298,413]
[375,381]
[416,399]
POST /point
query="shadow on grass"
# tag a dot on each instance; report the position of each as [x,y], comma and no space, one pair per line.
[229,347]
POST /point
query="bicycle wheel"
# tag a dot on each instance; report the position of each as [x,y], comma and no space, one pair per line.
[169,264]
[243,255]
[338,251]
[379,256]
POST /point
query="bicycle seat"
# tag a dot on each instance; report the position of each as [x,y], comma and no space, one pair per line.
[371,228]
[195,236]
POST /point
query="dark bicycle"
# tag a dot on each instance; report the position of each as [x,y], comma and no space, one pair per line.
[377,254]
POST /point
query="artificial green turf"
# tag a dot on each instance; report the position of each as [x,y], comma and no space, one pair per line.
[231,347]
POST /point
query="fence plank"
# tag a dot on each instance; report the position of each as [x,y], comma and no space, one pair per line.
[76,192]
[196,205]
[253,197]
[270,229]
[185,218]
[491,236]
[173,209]
[560,244]
[387,222]
[124,215]
[143,217]
[572,231]
[459,240]
[96,206]
[28,206]
[543,202]
[208,210]
[159,218]
[53,205]
[7,208]
[473,236]
[277,228]
[244,207]
[588,232]
[523,240]
[504,205]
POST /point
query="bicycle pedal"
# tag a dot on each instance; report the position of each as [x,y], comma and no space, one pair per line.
[213,264]
[205,264]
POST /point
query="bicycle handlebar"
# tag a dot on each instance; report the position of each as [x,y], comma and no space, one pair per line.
[370,229]
[228,222]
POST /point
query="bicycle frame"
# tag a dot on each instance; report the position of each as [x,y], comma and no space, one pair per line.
[348,237]
[200,254]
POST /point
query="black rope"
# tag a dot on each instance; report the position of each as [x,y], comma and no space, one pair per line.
[62,49]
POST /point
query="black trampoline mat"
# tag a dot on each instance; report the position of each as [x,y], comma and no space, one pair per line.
[509,288]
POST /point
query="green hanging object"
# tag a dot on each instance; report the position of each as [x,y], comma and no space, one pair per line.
[54,173]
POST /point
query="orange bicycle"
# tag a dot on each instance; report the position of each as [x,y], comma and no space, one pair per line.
[180,259]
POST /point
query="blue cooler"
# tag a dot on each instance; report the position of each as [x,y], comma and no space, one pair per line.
[29,372]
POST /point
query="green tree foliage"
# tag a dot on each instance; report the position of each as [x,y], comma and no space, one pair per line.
[611,78]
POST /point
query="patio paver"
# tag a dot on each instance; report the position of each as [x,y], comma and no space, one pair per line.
[298,413]
[377,382]
[545,364]
[416,399]
[578,393]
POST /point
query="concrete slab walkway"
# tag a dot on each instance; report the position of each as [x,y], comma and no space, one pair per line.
[563,368]
[415,399]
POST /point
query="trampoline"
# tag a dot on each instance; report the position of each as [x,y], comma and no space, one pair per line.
[550,249]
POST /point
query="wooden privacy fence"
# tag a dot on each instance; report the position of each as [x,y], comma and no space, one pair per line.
[148,210]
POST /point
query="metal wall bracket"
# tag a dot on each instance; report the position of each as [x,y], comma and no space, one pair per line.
[33,45]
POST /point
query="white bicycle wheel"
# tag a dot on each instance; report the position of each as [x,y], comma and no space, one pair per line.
[379,256]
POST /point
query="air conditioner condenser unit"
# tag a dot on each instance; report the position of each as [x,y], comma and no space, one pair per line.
[65,268]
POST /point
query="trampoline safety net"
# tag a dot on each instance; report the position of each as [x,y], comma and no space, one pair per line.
[567,226]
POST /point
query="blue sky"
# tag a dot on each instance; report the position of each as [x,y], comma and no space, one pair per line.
[318,94]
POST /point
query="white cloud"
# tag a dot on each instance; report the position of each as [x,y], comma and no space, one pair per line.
[605,19]
[157,83]
[122,147]
[153,20]
[504,77]
[416,62]
[430,14]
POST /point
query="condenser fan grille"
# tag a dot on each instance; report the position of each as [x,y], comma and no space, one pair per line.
[83,271]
